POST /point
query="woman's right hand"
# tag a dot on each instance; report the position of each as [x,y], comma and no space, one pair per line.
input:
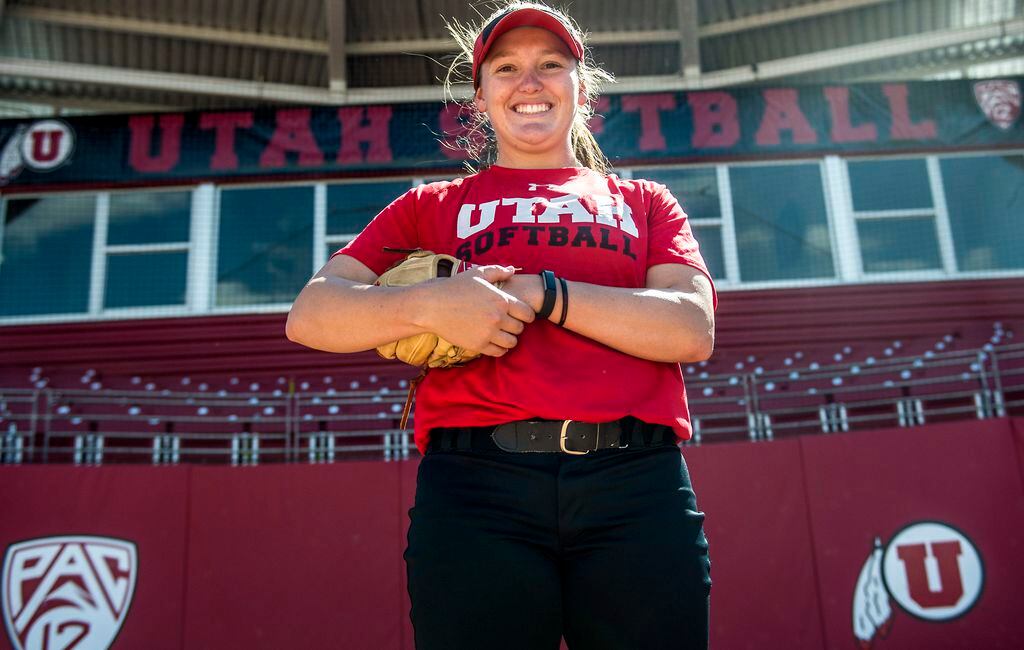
[468,310]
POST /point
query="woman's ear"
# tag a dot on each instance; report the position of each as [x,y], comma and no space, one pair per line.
[478,100]
[581,99]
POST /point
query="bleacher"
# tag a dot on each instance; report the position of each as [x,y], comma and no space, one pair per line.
[91,416]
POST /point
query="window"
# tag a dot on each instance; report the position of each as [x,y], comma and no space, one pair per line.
[47,254]
[985,199]
[895,215]
[265,245]
[350,206]
[147,249]
[697,191]
[781,222]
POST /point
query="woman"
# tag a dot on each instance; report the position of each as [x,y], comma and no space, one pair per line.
[551,499]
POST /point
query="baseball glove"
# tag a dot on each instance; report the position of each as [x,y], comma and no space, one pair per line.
[426,350]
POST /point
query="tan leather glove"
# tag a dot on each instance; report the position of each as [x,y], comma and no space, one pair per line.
[426,350]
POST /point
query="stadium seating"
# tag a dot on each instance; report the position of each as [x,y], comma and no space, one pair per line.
[96,413]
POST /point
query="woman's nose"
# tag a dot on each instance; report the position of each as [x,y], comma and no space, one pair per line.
[529,81]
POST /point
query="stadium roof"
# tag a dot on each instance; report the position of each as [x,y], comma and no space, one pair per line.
[96,56]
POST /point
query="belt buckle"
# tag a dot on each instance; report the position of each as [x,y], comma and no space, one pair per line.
[562,438]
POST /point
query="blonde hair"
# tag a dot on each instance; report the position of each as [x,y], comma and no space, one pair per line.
[479,139]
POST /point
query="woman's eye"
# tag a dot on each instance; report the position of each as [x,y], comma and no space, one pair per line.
[552,64]
[504,68]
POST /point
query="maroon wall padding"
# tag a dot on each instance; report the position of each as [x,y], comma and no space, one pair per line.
[295,557]
[1018,436]
[760,545]
[753,322]
[407,478]
[145,505]
[310,556]
[963,474]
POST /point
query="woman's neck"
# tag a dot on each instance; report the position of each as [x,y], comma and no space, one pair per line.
[518,160]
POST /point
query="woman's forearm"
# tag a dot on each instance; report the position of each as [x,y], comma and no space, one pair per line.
[656,324]
[340,315]
[671,320]
[342,310]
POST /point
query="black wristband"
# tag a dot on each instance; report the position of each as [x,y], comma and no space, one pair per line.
[565,301]
[549,294]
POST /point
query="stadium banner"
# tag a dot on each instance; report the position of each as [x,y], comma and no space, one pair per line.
[296,556]
[93,557]
[917,536]
[423,138]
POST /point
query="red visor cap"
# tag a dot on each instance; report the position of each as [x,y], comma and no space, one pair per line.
[525,17]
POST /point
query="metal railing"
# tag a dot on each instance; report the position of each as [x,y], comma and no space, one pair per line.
[93,427]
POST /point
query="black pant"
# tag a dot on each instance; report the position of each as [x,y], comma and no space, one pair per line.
[515,550]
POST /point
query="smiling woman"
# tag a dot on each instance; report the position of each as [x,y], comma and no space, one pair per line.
[567,53]
[552,500]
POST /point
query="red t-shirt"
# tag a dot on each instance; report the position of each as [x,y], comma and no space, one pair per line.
[584,226]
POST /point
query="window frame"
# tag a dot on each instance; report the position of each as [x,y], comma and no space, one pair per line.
[320,208]
[102,251]
[830,220]
[202,247]
[979,153]
[260,308]
[854,270]
[724,221]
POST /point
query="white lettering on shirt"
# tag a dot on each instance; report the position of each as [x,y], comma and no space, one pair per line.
[567,204]
[611,211]
[524,209]
[466,227]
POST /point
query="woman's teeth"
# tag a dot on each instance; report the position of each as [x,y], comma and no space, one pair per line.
[532,108]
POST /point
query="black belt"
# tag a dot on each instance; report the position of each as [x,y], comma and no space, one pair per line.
[549,436]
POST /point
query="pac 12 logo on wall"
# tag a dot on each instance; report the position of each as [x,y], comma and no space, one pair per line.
[931,570]
[67,592]
[41,146]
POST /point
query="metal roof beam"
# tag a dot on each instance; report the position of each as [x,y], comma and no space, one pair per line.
[689,38]
[169,30]
[59,105]
[120,24]
[967,68]
[268,92]
[337,68]
[252,91]
[824,59]
[267,41]
[800,12]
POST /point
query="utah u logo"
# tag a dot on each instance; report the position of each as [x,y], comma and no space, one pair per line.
[67,592]
[932,571]
[47,144]
[41,146]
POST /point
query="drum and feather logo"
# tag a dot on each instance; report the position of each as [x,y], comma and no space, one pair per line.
[67,592]
[928,569]
[41,146]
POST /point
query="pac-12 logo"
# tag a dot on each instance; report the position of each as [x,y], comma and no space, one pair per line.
[932,571]
[41,146]
[67,592]
[999,100]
